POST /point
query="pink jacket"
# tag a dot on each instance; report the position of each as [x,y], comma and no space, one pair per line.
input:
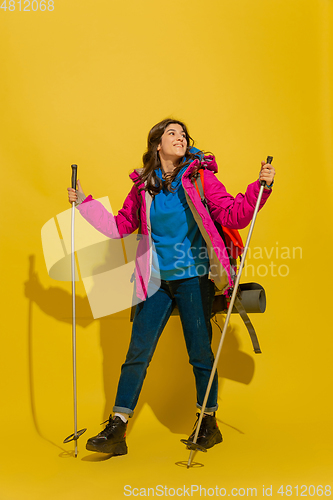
[229,211]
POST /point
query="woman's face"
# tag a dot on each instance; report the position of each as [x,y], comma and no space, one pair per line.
[173,143]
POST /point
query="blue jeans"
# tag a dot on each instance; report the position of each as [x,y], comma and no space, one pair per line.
[194,298]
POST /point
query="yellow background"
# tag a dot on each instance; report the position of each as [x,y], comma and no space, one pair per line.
[84,84]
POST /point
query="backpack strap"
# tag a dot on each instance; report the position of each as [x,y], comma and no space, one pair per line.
[247,322]
[199,184]
[233,243]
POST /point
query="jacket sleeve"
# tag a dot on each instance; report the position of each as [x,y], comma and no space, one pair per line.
[118,226]
[232,212]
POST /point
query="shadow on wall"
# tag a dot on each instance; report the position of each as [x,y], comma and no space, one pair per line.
[169,384]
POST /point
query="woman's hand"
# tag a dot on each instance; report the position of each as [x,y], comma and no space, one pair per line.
[72,196]
[267,173]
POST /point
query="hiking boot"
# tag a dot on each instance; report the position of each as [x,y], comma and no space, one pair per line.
[111,439]
[209,433]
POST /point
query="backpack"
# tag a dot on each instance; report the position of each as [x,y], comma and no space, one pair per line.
[250,296]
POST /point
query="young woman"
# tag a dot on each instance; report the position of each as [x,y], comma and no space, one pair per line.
[180,259]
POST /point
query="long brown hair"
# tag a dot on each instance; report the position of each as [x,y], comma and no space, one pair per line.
[151,158]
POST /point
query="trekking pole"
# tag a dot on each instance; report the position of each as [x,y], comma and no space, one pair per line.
[74,437]
[192,445]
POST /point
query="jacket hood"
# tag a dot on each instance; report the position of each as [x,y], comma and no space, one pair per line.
[207,161]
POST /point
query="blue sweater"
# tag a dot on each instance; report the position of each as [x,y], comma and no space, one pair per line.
[179,250]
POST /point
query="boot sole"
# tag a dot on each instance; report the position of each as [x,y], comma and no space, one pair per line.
[114,449]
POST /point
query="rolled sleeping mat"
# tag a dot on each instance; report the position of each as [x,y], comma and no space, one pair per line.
[252,295]
[253,298]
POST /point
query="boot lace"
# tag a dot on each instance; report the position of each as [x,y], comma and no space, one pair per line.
[195,423]
[109,426]
[203,424]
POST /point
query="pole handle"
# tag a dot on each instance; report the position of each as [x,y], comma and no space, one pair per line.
[74,176]
[269,160]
